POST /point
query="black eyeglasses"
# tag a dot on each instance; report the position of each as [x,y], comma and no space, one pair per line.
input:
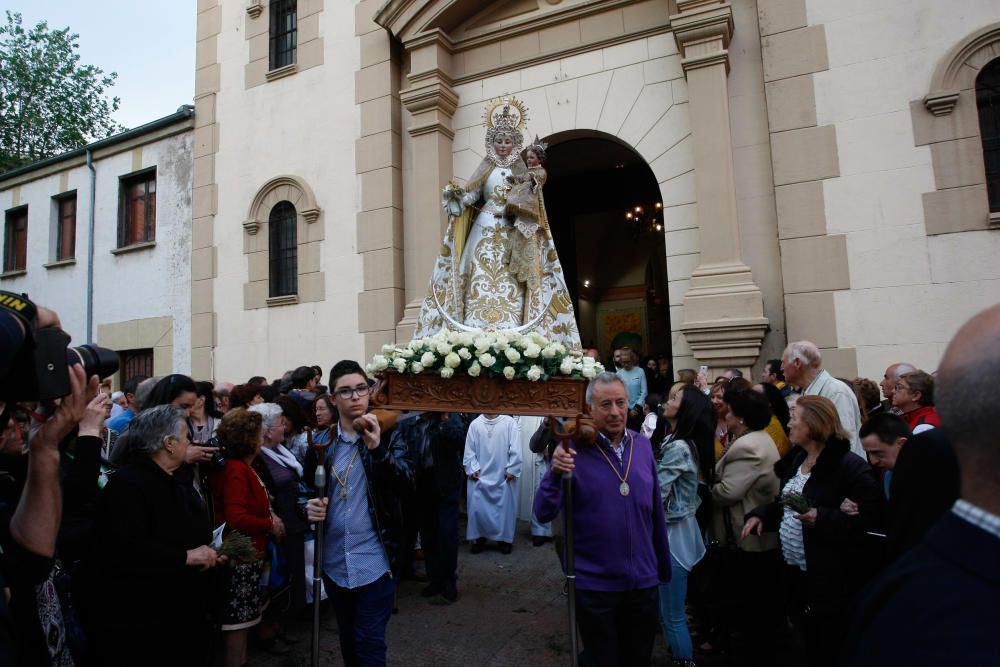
[346,393]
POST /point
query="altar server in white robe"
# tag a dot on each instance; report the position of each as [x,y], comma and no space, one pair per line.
[493,464]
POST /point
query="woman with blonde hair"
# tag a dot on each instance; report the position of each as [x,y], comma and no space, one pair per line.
[825,550]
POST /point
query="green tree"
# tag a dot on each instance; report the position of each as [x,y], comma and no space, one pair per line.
[49,102]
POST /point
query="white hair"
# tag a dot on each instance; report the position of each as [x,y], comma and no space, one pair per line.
[901,369]
[269,413]
[806,352]
[607,377]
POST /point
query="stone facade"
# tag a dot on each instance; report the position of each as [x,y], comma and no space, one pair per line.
[809,189]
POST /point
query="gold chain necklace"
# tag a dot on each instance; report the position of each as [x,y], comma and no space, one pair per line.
[347,473]
[623,488]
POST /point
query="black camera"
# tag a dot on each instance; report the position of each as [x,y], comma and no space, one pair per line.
[41,370]
[218,461]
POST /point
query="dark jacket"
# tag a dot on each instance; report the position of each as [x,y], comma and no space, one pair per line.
[435,449]
[840,557]
[146,522]
[389,472]
[924,485]
[937,605]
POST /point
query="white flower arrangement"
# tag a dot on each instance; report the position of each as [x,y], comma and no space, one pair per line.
[488,354]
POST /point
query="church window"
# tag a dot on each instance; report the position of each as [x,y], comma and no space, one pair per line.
[283,249]
[284,33]
[988,102]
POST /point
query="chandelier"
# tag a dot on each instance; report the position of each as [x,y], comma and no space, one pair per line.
[640,220]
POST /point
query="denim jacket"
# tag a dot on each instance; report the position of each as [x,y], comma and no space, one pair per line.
[678,475]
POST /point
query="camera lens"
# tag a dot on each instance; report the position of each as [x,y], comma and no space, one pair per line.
[99,361]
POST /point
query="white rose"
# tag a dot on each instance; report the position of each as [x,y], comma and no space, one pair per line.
[513,356]
[414,344]
[482,344]
[598,368]
[465,354]
[509,372]
[452,360]
[428,359]
[588,372]
[399,363]
[380,363]
[535,373]
[566,367]
[465,338]
[559,348]
[407,353]
[548,352]
[532,351]
[443,348]
[487,360]
[370,368]
[539,339]
[388,349]
[427,342]
[516,339]
[474,369]
[447,372]
[415,367]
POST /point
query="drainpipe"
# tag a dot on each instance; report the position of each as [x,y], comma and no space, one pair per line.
[90,247]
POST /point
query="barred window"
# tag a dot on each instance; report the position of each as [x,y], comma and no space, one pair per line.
[15,240]
[988,101]
[66,226]
[135,362]
[284,33]
[283,250]
[137,209]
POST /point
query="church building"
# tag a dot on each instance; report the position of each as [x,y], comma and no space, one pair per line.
[723,177]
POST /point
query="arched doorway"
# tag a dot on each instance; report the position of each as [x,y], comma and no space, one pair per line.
[614,256]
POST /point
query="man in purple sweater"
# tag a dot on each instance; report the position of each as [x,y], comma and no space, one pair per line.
[620,538]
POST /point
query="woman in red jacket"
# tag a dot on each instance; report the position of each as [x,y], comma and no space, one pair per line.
[242,502]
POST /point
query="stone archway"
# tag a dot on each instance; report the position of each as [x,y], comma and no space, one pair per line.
[626,69]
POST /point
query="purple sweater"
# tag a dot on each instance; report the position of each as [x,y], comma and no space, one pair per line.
[620,541]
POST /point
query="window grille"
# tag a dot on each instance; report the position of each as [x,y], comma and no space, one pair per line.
[283,250]
[284,33]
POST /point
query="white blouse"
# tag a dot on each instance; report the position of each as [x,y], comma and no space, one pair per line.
[792,546]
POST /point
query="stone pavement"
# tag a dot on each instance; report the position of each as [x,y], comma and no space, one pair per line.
[510,611]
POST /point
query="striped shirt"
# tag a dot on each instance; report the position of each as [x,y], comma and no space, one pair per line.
[792,546]
[353,555]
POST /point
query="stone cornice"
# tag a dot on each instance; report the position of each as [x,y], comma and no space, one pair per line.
[701,22]
[432,95]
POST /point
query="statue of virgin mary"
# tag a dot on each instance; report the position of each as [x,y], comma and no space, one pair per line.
[477,282]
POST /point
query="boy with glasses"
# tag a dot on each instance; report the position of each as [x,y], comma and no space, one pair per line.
[363,519]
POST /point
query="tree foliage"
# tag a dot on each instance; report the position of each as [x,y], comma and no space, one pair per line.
[49,102]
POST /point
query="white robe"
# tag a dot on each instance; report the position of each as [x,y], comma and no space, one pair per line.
[492,447]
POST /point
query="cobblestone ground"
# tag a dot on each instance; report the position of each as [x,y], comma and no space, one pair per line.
[510,611]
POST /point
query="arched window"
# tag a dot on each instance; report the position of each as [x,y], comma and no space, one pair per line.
[283,250]
[988,102]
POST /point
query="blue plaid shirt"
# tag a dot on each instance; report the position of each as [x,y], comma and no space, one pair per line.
[353,555]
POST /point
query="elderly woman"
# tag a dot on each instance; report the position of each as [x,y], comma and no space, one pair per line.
[678,471]
[825,550]
[282,473]
[151,553]
[243,504]
[745,479]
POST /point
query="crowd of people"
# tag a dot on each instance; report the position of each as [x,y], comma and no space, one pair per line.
[799,517]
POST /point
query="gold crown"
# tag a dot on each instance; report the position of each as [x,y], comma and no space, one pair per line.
[506,113]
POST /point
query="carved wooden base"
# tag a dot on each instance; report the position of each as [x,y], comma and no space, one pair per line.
[558,397]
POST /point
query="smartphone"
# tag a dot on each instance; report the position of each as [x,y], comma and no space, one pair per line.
[703,370]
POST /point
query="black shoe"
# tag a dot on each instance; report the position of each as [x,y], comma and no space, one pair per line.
[538,540]
[430,590]
[450,592]
[506,547]
[477,546]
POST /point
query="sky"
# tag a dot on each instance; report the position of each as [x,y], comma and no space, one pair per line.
[149,43]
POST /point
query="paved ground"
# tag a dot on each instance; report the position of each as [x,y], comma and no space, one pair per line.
[510,611]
